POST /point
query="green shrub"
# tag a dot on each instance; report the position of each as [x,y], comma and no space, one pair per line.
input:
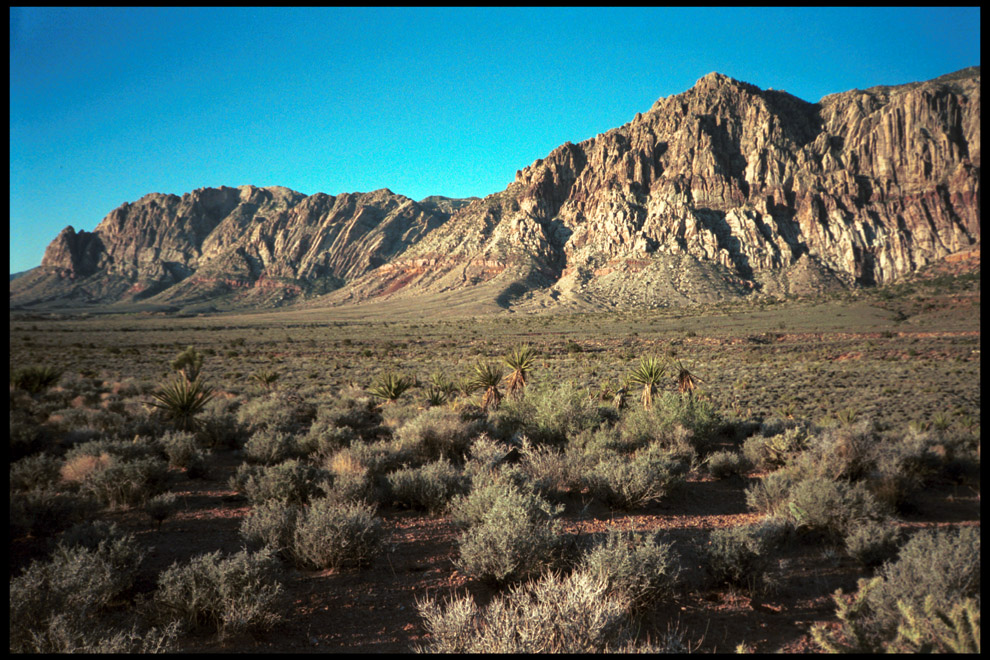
[938,575]
[872,542]
[486,455]
[65,633]
[269,447]
[271,524]
[277,411]
[722,464]
[43,513]
[323,442]
[162,507]
[511,534]
[126,450]
[79,582]
[574,614]
[561,411]
[773,451]
[376,458]
[89,534]
[832,508]
[437,433]
[638,568]
[182,450]
[291,481]
[332,534]
[847,452]
[115,472]
[120,483]
[626,483]
[740,556]
[549,470]
[428,487]
[35,379]
[219,426]
[32,472]
[230,595]
[942,564]
[356,412]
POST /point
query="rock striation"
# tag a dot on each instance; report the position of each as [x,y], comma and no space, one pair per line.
[255,245]
[724,190]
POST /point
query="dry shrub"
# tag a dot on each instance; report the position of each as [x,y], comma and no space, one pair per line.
[79,468]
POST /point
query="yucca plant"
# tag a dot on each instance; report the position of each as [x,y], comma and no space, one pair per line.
[390,386]
[189,362]
[487,376]
[35,380]
[686,381]
[520,361]
[440,382]
[648,374]
[435,397]
[265,377]
[181,400]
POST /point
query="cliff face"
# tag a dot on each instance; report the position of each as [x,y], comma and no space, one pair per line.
[723,190]
[263,244]
[728,189]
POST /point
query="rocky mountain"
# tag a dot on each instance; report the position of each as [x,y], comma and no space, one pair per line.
[249,246]
[724,190]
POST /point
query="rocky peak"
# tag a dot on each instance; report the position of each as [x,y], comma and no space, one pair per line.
[723,190]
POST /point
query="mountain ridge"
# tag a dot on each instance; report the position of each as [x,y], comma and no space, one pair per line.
[724,190]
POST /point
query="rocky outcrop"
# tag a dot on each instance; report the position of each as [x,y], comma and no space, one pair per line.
[724,190]
[729,190]
[260,244]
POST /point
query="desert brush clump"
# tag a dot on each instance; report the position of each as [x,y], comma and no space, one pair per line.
[162,507]
[331,533]
[227,594]
[429,487]
[35,471]
[291,481]
[579,613]
[874,542]
[638,567]
[438,433]
[723,464]
[116,473]
[625,482]
[510,533]
[45,512]
[742,556]
[78,583]
[927,599]
[183,451]
[832,508]
[279,411]
[271,524]
[270,447]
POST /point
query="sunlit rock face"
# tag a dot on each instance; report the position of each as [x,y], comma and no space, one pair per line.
[722,191]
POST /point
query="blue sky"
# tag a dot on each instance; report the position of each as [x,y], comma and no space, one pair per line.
[107,105]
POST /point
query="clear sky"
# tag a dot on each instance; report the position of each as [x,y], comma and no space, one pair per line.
[107,105]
